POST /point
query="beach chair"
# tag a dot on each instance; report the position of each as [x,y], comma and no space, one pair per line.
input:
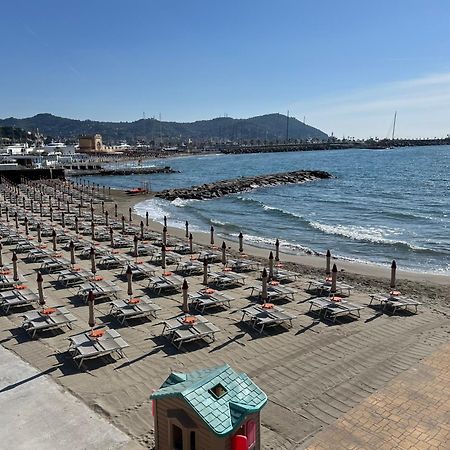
[322,287]
[395,303]
[73,277]
[203,300]
[190,267]
[35,321]
[6,282]
[243,265]
[199,331]
[136,308]
[17,299]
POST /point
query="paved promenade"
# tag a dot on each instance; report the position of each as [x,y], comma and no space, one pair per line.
[411,412]
[36,413]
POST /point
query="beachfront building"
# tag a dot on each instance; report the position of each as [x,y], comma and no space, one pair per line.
[90,144]
[215,408]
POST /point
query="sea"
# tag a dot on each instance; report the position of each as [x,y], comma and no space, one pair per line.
[380,205]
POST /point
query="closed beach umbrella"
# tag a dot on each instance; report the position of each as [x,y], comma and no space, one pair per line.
[224,253]
[190,244]
[59,203]
[185,296]
[40,207]
[91,300]
[68,207]
[63,219]
[92,230]
[187,228]
[164,236]
[146,219]
[92,256]
[23,202]
[14,261]
[92,213]
[1,255]
[142,230]
[111,235]
[135,242]
[163,256]
[54,240]
[393,274]
[26,226]
[72,252]
[212,235]
[328,270]
[51,214]
[205,271]
[270,265]
[103,205]
[16,219]
[264,285]
[39,281]
[129,273]
[123,223]
[79,209]
[129,214]
[277,250]
[115,210]
[165,221]
[76,225]
[38,229]
[107,218]
[333,279]
[7,214]
[241,242]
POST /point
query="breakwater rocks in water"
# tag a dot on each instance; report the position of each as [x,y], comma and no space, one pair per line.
[226,187]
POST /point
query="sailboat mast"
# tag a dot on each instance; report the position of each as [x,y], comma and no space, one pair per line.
[393,127]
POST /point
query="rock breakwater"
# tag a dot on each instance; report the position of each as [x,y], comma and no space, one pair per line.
[225,187]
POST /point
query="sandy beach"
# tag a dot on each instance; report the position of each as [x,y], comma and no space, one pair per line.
[315,373]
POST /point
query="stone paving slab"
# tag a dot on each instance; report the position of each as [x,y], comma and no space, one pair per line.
[411,412]
[36,413]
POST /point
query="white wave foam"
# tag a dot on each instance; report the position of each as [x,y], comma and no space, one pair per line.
[181,203]
[376,235]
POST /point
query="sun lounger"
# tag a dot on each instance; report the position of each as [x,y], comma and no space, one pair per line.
[52,264]
[243,265]
[260,317]
[284,275]
[226,278]
[190,267]
[136,308]
[83,347]
[210,256]
[140,270]
[171,257]
[209,299]
[71,277]
[35,321]
[17,298]
[37,254]
[100,289]
[166,283]
[333,309]
[24,245]
[276,292]
[179,331]
[324,287]
[120,242]
[395,302]
[6,282]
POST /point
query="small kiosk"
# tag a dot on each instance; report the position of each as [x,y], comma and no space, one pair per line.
[209,409]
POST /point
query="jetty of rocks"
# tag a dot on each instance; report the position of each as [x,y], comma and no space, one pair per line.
[226,187]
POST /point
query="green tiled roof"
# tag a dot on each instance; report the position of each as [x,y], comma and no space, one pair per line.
[223,415]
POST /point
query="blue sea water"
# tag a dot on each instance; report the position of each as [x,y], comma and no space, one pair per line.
[381,205]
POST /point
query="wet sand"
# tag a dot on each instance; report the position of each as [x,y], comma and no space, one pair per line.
[313,374]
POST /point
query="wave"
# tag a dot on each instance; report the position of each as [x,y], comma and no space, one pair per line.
[367,234]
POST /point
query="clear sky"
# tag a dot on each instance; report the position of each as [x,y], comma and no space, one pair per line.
[346,65]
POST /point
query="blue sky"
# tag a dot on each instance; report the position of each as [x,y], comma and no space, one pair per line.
[346,65]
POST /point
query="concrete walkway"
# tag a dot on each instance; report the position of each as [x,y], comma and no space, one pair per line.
[37,413]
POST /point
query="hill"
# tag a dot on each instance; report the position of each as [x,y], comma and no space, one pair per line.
[269,127]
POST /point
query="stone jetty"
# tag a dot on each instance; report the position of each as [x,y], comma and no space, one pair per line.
[80,170]
[226,187]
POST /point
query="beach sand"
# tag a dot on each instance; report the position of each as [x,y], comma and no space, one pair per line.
[314,374]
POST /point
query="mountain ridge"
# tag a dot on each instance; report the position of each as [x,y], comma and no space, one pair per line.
[268,127]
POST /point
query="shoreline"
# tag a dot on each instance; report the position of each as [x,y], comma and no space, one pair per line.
[311,264]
